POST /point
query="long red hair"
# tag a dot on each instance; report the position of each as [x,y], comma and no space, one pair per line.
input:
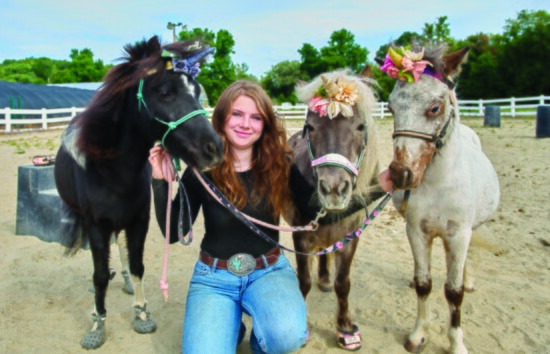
[271,156]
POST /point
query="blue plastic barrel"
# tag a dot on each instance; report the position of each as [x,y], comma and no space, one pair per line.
[543,121]
[492,116]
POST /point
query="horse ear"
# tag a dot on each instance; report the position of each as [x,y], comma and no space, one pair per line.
[366,72]
[454,60]
[379,61]
[153,45]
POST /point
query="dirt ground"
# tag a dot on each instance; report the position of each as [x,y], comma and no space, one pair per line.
[45,304]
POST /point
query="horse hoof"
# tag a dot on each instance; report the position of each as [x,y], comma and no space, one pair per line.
[128,289]
[416,347]
[325,287]
[96,336]
[143,322]
[349,340]
[469,290]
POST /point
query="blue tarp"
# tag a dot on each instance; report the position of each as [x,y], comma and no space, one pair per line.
[29,96]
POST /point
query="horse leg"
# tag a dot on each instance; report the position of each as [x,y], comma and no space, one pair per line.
[123,251]
[302,262]
[99,245]
[456,252]
[323,273]
[468,277]
[348,335]
[421,249]
[135,239]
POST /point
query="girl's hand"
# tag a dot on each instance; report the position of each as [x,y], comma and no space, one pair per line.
[385,181]
[155,159]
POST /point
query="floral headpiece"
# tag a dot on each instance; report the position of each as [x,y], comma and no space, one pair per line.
[189,65]
[333,98]
[406,65]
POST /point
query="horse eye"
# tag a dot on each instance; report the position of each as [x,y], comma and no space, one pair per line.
[434,110]
[164,93]
[361,127]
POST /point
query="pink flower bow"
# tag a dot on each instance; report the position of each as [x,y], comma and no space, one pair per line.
[415,67]
[318,105]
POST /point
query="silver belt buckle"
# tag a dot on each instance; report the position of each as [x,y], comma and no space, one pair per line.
[241,264]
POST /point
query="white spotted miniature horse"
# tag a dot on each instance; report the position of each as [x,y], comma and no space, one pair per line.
[452,186]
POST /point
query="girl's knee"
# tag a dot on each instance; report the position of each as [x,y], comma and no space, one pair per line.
[282,340]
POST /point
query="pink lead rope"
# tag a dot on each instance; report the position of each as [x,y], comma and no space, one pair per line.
[169,174]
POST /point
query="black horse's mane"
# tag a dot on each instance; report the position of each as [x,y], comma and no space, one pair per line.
[99,133]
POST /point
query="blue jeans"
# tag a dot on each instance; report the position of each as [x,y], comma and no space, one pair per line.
[217,300]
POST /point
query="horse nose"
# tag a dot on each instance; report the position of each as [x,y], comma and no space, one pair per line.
[213,151]
[400,175]
[336,189]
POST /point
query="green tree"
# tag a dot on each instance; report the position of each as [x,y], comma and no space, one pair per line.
[525,52]
[18,71]
[241,73]
[438,31]
[341,52]
[281,80]
[525,21]
[221,72]
[311,64]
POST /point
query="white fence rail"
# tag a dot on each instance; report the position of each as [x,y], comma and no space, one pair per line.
[17,120]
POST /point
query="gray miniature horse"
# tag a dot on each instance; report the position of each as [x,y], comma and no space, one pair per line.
[451,185]
[337,153]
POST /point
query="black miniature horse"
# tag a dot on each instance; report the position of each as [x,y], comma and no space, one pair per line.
[102,171]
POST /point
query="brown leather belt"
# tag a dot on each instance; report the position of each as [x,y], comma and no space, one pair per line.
[271,257]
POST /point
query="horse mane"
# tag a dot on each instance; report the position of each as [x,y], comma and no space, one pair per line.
[434,54]
[364,105]
[98,128]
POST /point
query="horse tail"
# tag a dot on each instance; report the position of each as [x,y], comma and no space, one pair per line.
[478,242]
[72,236]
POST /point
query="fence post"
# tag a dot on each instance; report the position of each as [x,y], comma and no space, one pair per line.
[543,122]
[513,106]
[541,100]
[480,105]
[73,112]
[8,120]
[44,118]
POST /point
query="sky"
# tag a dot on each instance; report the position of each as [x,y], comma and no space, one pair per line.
[265,32]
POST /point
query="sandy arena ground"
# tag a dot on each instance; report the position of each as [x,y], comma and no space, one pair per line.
[45,304]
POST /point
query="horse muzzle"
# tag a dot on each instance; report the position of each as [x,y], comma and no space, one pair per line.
[335,190]
[402,176]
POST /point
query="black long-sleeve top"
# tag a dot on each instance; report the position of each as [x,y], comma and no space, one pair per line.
[225,235]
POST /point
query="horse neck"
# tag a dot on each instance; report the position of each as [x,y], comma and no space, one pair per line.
[127,146]
[369,165]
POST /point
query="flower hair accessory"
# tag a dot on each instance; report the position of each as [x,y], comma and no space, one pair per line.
[405,65]
[333,98]
[189,65]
